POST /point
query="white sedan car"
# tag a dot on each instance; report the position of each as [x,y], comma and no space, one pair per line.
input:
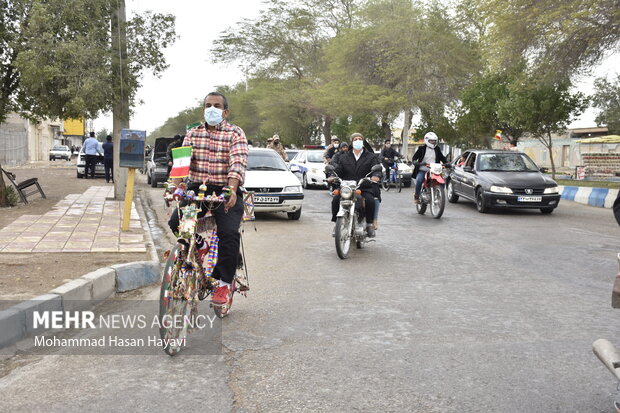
[309,167]
[275,188]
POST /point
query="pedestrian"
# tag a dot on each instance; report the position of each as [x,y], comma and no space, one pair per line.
[108,159]
[616,208]
[277,146]
[176,143]
[219,161]
[91,150]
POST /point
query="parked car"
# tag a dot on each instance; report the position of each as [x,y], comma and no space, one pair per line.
[276,188]
[309,167]
[502,179]
[81,163]
[60,152]
[291,153]
[157,163]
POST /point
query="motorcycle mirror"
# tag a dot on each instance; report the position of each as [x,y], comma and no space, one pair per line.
[329,168]
[376,168]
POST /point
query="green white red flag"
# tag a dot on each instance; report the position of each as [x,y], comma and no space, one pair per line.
[181,159]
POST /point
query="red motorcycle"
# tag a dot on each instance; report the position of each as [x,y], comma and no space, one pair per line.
[433,193]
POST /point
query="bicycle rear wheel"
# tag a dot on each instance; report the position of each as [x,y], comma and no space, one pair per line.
[399,183]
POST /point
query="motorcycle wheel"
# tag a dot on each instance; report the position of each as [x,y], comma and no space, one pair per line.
[438,201]
[343,238]
[386,184]
[421,206]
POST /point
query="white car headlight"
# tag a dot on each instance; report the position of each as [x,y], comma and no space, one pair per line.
[346,192]
[314,171]
[552,190]
[501,189]
[296,188]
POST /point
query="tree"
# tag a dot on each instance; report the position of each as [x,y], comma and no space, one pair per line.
[556,37]
[543,107]
[607,99]
[56,58]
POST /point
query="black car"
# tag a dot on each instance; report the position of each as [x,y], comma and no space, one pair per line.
[501,179]
[157,163]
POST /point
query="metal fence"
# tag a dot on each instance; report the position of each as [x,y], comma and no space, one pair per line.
[13,144]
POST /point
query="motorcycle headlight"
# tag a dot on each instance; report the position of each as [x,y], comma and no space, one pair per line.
[501,189]
[552,190]
[292,189]
[346,192]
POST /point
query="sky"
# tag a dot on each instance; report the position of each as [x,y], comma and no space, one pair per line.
[192,73]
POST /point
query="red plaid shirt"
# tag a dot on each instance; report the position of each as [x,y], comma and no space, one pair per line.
[218,154]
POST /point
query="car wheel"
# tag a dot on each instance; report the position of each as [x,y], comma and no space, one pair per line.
[407,184]
[80,176]
[154,183]
[481,203]
[304,181]
[294,216]
[148,179]
[452,196]
[546,211]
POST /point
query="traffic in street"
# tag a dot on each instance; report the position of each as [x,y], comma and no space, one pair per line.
[471,312]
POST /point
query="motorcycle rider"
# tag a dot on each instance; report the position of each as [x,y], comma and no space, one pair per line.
[355,165]
[388,157]
[427,153]
[343,147]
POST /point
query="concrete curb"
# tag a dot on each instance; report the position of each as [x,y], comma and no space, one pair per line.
[79,294]
[587,195]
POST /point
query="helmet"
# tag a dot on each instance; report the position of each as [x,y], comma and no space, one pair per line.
[430,136]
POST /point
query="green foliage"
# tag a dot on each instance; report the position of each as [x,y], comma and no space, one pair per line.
[102,134]
[177,124]
[367,125]
[12,195]
[607,99]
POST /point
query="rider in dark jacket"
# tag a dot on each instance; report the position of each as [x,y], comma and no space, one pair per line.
[429,153]
[353,166]
[388,156]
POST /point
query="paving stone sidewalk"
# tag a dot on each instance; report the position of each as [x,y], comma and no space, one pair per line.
[88,222]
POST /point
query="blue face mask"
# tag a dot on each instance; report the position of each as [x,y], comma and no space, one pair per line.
[357,145]
[213,115]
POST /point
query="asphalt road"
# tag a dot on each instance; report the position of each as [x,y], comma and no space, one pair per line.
[469,313]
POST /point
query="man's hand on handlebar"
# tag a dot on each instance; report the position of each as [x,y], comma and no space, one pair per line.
[375,178]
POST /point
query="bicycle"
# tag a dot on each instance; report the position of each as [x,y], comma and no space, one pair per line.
[392,176]
[187,277]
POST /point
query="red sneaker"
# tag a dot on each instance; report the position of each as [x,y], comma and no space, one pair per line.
[220,296]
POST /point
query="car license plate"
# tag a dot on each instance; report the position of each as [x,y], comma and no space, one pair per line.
[529,199]
[266,200]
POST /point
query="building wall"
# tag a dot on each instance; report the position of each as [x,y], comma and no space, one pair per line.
[22,141]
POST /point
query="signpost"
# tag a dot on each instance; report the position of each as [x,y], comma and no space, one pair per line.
[132,157]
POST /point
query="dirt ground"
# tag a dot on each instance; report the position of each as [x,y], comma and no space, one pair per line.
[24,276]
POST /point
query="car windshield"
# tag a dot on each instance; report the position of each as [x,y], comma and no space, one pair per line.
[315,156]
[507,162]
[265,161]
[291,154]
[60,148]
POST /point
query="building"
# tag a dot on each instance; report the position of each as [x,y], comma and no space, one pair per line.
[22,140]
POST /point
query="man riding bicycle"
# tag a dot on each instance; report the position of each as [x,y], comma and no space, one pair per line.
[388,157]
[354,165]
[219,159]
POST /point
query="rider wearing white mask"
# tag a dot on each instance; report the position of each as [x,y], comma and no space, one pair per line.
[428,153]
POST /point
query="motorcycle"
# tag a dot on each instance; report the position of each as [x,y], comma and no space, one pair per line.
[350,221]
[433,193]
[607,352]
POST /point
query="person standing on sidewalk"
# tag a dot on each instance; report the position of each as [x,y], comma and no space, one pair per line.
[219,159]
[108,159]
[91,150]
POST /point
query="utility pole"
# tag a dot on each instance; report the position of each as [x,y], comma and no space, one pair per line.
[120,106]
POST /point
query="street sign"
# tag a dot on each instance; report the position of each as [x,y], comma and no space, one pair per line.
[132,148]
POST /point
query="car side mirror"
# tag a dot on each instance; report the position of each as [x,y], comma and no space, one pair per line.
[544,170]
[468,169]
[294,168]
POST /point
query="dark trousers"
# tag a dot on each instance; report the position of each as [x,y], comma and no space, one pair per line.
[227,230]
[108,165]
[91,161]
[387,166]
[369,208]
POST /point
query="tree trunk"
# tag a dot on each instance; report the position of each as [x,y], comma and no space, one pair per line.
[550,148]
[327,129]
[385,127]
[405,135]
[120,107]
[4,200]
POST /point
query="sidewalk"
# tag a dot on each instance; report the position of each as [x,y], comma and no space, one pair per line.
[88,222]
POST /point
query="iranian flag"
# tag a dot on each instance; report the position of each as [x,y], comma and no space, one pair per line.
[181,158]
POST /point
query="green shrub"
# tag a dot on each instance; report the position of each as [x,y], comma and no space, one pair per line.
[12,195]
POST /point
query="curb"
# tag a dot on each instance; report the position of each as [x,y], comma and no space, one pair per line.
[79,294]
[587,195]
